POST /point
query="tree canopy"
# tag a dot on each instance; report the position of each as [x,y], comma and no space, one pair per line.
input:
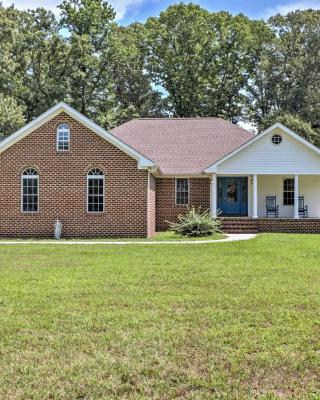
[186,62]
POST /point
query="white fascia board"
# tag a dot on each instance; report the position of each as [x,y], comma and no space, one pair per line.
[213,167]
[143,162]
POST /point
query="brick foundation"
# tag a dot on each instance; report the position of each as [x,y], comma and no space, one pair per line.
[281,225]
[287,225]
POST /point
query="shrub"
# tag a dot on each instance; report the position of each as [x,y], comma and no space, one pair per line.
[195,223]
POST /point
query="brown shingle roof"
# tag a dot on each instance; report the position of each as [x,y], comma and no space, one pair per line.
[182,145]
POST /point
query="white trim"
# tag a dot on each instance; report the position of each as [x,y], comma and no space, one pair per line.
[175,192]
[22,177]
[213,167]
[104,190]
[296,197]
[143,162]
[254,197]
[214,195]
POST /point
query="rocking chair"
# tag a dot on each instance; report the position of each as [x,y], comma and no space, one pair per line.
[272,207]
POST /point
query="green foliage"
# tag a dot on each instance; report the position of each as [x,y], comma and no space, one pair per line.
[287,77]
[130,85]
[11,116]
[195,223]
[88,23]
[227,321]
[186,62]
[293,122]
[204,60]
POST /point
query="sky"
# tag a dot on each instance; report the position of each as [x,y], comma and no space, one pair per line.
[139,10]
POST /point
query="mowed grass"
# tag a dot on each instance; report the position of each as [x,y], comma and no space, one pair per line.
[167,236]
[236,320]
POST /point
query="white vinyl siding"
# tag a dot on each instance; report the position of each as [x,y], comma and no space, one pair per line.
[263,157]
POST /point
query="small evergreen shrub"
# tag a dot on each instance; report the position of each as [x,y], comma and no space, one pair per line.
[195,223]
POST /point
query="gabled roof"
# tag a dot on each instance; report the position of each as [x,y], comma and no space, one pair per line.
[213,167]
[182,146]
[143,162]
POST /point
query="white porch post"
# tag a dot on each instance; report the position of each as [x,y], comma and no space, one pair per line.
[296,196]
[255,197]
[214,195]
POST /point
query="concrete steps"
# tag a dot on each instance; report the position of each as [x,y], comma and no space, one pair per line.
[239,225]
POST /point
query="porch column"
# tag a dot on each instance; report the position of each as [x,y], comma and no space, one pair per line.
[213,197]
[255,197]
[296,196]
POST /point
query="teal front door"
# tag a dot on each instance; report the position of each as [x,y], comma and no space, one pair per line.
[233,195]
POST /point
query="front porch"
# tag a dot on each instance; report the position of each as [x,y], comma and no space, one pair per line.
[246,196]
[241,203]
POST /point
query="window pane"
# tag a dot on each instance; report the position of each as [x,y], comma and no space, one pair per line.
[288,192]
[63,137]
[95,191]
[30,194]
[182,191]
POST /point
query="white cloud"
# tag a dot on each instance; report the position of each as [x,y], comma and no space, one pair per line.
[120,6]
[286,8]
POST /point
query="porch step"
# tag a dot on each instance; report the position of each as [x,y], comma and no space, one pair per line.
[239,225]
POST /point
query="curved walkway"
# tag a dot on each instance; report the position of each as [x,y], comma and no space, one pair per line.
[230,238]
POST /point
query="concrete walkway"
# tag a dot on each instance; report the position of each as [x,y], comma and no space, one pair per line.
[230,238]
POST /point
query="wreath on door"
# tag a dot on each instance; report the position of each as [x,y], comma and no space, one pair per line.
[232,188]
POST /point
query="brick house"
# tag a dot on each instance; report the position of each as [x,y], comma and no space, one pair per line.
[129,182]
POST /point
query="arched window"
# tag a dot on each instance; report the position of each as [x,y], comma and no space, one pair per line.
[95,191]
[63,137]
[30,190]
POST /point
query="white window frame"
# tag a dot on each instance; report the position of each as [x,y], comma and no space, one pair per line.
[175,192]
[103,194]
[64,130]
[21,192]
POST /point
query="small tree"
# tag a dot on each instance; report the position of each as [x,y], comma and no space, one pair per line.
[195,223]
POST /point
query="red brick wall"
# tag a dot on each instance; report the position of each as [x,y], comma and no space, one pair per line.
[167,210]
[151,205]
[62,181]
[287,225]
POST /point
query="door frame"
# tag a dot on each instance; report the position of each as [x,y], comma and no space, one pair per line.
[244,205]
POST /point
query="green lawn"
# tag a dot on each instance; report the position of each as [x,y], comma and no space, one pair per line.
[159,237]
[234,320]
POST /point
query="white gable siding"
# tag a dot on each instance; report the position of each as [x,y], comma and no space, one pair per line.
[263,157]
